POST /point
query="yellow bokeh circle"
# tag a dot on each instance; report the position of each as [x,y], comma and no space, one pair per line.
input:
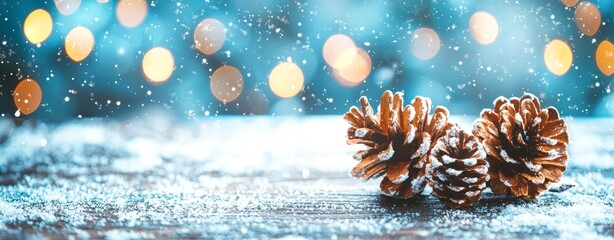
[605,57]
[38,26]
[339,51]
[357,71]
[286,80]
[558,57]
[158,65]
[131,13]
[79,43]
[483,28]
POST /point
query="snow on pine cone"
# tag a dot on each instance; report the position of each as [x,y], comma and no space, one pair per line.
[397,139]
[458,170]
[526,145]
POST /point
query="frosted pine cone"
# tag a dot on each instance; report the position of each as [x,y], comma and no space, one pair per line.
[526,145]
[398,141]
[458,170]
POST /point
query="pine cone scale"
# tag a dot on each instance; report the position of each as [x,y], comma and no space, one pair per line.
[365,165]
[521,187]
[530,150]
[397,173]
[553,174]
[354,117]
[555,128]
[365,134]
[375,171]
[385,111]
[457,170]
[397,139]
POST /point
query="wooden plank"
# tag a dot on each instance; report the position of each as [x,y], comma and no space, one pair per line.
[95,193]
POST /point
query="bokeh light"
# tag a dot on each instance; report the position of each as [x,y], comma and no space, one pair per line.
[356,72]
[483,28]
[131,13]
[588,18]
[570,3]
[227,83]
[158,65]
[67,7]
[286,80]
[605,57]
[103,1]
[339,51]
[209,36]
[558,57]
[27,96]
[79,43]
[425,43]
[38,26]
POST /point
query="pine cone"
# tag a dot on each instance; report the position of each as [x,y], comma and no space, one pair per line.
[526,145]
[458,170]
[398,141]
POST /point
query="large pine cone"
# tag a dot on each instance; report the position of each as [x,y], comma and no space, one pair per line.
[526,146]
[458,170]
[398,141]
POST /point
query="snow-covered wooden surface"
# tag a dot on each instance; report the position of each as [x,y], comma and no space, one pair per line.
[261,177]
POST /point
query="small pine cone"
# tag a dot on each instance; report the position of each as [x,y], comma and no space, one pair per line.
[526,145]
[458,170]
[397,140]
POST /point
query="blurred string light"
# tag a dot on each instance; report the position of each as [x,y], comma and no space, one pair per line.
[558,57]
[131,13]
[350,64]
[158,65]
[79,43]
[226,83]
[27,96]
[605,57]
[38,26]
[209,36]
[425,43]
[67,7]
[286,80]
[483,28]
[588,18]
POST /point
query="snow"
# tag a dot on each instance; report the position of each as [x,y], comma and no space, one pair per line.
[401,178]
[470,162]
[447,159]
[454,172]
[225,178]
[506,157]
[386,154]
[361,132]
[424,147]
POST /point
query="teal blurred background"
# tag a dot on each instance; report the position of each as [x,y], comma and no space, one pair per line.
[464,76]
